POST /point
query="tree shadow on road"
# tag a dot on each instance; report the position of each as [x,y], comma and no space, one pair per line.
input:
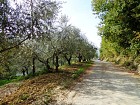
[106,81]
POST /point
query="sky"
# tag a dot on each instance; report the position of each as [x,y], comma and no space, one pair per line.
[81,16]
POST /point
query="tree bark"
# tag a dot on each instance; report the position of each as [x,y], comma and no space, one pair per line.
[57,63]
[33,69]
[80,57]
[23,72]
[14,46]
[53,59]
[68,59]
[45,62]
[47,65]
[26,69]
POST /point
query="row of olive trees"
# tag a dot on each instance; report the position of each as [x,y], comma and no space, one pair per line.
[32,36]
[23,23]
[65,44]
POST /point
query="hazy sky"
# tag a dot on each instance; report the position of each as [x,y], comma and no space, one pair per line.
[80,15]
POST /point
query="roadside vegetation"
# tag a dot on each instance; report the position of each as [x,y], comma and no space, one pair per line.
[43,89]
[120,31]
[36,39]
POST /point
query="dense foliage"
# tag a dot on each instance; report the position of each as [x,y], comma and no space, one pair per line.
[33,37]
[120,30]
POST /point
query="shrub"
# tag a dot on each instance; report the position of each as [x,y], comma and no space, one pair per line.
[127,63]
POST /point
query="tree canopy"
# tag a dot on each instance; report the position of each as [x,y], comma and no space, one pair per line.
[34,37]
[119,28]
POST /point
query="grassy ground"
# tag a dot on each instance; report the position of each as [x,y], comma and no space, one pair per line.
[3,82]
[14,79]
[39,90]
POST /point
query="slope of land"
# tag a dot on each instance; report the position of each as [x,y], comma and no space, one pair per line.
[43,89]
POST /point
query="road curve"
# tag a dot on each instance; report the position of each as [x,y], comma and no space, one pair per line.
[106,85]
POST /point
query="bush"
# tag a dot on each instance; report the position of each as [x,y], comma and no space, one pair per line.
[137,60]
[127,63]
[133,67]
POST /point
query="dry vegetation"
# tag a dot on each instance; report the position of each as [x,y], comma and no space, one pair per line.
[40,90]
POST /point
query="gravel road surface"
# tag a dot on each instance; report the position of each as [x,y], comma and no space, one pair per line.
[105,85]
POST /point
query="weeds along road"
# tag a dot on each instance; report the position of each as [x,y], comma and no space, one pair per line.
[106,85]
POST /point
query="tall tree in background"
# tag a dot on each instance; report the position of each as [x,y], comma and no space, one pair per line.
[119,28]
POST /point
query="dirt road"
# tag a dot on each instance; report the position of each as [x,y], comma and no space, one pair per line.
[105,85]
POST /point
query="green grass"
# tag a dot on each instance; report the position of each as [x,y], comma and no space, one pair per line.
[77,73]
[13,79]
[82,67]
[3,82]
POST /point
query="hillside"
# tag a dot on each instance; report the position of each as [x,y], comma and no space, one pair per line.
[42,89]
